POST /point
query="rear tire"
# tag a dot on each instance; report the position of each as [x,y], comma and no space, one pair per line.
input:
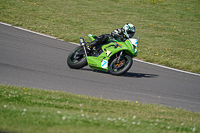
[76,61]
[123,66]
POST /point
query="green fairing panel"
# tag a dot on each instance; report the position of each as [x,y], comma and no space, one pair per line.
[99,63]
[123,47]
[132,48]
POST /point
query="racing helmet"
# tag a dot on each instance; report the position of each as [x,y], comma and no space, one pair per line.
[129,30]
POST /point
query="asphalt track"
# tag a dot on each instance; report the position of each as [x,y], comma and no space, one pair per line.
[31,60]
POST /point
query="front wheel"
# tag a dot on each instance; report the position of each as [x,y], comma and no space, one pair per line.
[76,59]
[119,68]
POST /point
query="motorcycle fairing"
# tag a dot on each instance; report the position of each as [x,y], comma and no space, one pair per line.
[101,62]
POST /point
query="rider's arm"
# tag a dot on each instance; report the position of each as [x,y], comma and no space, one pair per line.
[117,33]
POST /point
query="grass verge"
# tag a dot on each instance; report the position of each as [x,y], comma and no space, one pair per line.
[32,110]
[168,29]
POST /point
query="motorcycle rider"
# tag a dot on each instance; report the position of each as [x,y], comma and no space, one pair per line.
[120,34]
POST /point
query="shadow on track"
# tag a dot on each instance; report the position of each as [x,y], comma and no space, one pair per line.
[139,75]
[127,74]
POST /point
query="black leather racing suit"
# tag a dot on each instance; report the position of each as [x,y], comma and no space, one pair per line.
[103,39]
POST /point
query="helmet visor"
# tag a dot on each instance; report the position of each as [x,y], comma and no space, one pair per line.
[131,35]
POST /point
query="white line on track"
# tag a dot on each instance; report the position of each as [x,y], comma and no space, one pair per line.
[168,67]
[28,30]
[78,44]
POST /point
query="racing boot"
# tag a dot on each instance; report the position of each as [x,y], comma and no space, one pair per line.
[90,46]
[99,40]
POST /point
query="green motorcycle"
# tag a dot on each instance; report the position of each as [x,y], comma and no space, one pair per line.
[115,56]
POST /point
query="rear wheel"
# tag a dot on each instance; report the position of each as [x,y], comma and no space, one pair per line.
[119,68]
[77,59]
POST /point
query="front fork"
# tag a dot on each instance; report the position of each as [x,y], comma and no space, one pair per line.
[120,55]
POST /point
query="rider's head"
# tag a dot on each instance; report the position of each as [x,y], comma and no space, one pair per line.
[129,30]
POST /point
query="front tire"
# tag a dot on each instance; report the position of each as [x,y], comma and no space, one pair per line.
[76,60]
[123,66]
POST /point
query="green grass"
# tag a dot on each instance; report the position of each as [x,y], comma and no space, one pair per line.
[168,29]
[39,111]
